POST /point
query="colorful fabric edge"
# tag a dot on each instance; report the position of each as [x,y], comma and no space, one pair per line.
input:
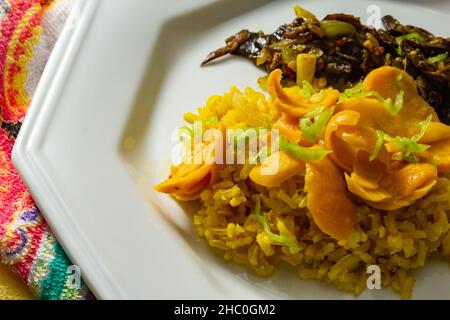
[27,245]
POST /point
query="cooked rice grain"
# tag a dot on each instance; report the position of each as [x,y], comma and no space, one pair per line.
[397,241]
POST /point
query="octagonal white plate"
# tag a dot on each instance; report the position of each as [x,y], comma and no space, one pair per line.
[98,136]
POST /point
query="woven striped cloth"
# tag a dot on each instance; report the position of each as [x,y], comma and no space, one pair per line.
[28,31]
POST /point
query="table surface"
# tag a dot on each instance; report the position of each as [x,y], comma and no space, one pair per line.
[11,287]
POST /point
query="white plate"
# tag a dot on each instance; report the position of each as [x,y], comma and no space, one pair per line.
[97,138]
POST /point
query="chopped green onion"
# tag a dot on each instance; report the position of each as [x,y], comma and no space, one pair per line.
[312,130]
[423,128]
[305,126]
[354,92]
[438,58]
[314,112]
[336,28]
[394,108]
[409,36]
[301,153]
[186,131]
[293,246]
[408,145]
[399,101]
[307,89]
[378,145]
[318,96]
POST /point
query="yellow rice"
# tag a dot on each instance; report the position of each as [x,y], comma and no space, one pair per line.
[397,241]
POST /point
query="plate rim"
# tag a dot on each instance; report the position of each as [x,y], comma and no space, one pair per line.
[27,155]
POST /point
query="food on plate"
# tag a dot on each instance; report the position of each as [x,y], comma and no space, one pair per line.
[331,171]
[346,51]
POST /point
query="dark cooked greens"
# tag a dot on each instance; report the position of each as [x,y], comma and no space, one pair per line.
[347,51]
